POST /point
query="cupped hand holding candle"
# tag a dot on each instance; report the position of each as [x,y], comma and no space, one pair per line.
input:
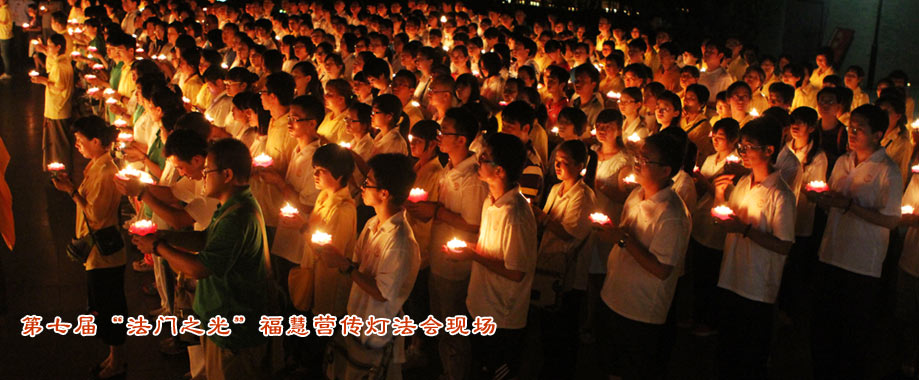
[33,73]
[142,227]
[128,172]
[613,95]
[321,238]
[262,160]
[345,144]
[289,211]
[629,179]
[732,159]
[456,245]
[722,212]
[599,218]
[417,194]
[634,138]
[816,186]
[98,66]
[120,123]
[907,210]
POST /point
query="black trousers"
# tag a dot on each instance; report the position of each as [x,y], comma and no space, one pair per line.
[105,291]
[632,347]
[706,264]
[844,315]
[745,330]
[497,356]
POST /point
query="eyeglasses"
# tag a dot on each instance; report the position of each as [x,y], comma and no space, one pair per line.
[207,171]
[741,148]
[366,184]
[440,134]
[291,119]
[644,161]
[485,160]
[856,131]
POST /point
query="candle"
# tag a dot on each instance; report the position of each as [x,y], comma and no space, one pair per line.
[593,131]
[415,103]
[55,167]
[98,66]
[906,210]
[42,8]
[502,103]
[139,50]
[161,57]
[634,137]
[75,54]
[443,18]
[35,42]
[695,169]
[289,211]
[915,124]
[613,95]
[142,227]
[111,101]
[186,100]
[754,113]
[321,238]
[456,245]
[446,48]
[263,160]
[78,30]
[915,169]
[89,76]
[722,212]
[599,218]
[702,70]
[109,91]
[476,73]
[583,172]
[555,130]
[224,66]
[125,137]
[33,73]
[410,138]
[630,179]
[90,56]
[120,123]
[92,90]
[345,144]
[128,172]
[93,49]
[732,159]
[817,186]
[25,25]
[417,194]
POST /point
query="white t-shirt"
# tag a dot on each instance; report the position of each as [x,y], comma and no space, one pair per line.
[507,232]
[461,192]
[813,171]
[221,110]
[685,187]
[850,242]
[790,168]
[607,174]
[704,229]
[389,142]
[198,205]
[715,80]
[660,223]
[387,251]
[749,269]
[289,243]
[555,255]
[909,260]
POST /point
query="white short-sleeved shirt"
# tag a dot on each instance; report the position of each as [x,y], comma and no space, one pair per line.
[220,109]
[850,242]
[507,232]
[749,269]
[572,211]
[790,168]
[608,174]
[909,260]
[660,223]
[461,192]
[716,80]
[813,171]
[145,129]
[389,142]
[289,243]
[685,187]
[704,229]
[387,251]
[633,126]
[198,205]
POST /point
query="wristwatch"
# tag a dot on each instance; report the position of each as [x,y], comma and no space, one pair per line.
[350,268]
[621,243]
[156,244]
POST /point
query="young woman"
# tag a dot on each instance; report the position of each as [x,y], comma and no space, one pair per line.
[97,203]
[694,121]
[338,98]
[760,233]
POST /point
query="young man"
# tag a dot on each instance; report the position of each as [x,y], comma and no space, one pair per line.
[853,80]
[518,118]
[56,135]
[504,258]
[586,80]
[864,205]
[644,266]
[759,237]
[714,77]
[457,213]
[276,98]
[386,261]
[230,264]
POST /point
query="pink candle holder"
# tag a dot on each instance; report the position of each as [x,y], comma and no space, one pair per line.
[263,160]
[142,227]
[722,212]
[816,186]
[417,195]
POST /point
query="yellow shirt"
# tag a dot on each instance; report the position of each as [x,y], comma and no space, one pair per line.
[203,99]
[126,84]
[427,178]
[190,88]
[698,129]
[279,145]
[102,199]
[6,23]
[899,148]
[335,214]
[59,90]
[414,114]
[334,128]
[805,96]
[859,98]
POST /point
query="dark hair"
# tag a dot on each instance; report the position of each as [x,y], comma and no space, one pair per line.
[765,131]
[232,154]
[877,117]
[464,123]
[185,145]
[390,105]
[670,149]
[93,127]
[576,149]
[576,116]
[312,107]
[783,90]
[336,160]
[469,80]
[589,70]
[508,152]
[519,112]
[394,174]
[674,101]
[282,86]
[737,86]
[834,80]
[195,122]
[809,117]
[730,127]
[700,91]
[364,113]
[634,93]
[240,74]
[314,87]
[426,130]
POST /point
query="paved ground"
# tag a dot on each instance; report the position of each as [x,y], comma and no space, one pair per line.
[37,278]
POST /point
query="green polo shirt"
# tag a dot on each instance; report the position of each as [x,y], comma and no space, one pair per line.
[237,284]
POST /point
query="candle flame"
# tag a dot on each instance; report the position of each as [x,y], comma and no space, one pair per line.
[321,238]
[613,95]
[288,210]
[629,179]
[906,210]
[456,245]
[262,160]
[345,144]
[55,166]
[98,66]
[417,194]
[142,227]
[754,113]
[555,130]
[599,218]
[121,123]
[634,137]
[733,159]
[33,73]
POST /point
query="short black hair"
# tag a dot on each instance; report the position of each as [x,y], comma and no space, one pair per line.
[576,149]
[519,112]
[464,123]
[312,107]
[185,145]
[93,127]
[670,149]
[394,174]
[508,152]
[195,122]
[282,86]
[730,127]
[232,154]
[576,116]
[784,91]
[701,92]
[877,117]
[336,160]
[766,131]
